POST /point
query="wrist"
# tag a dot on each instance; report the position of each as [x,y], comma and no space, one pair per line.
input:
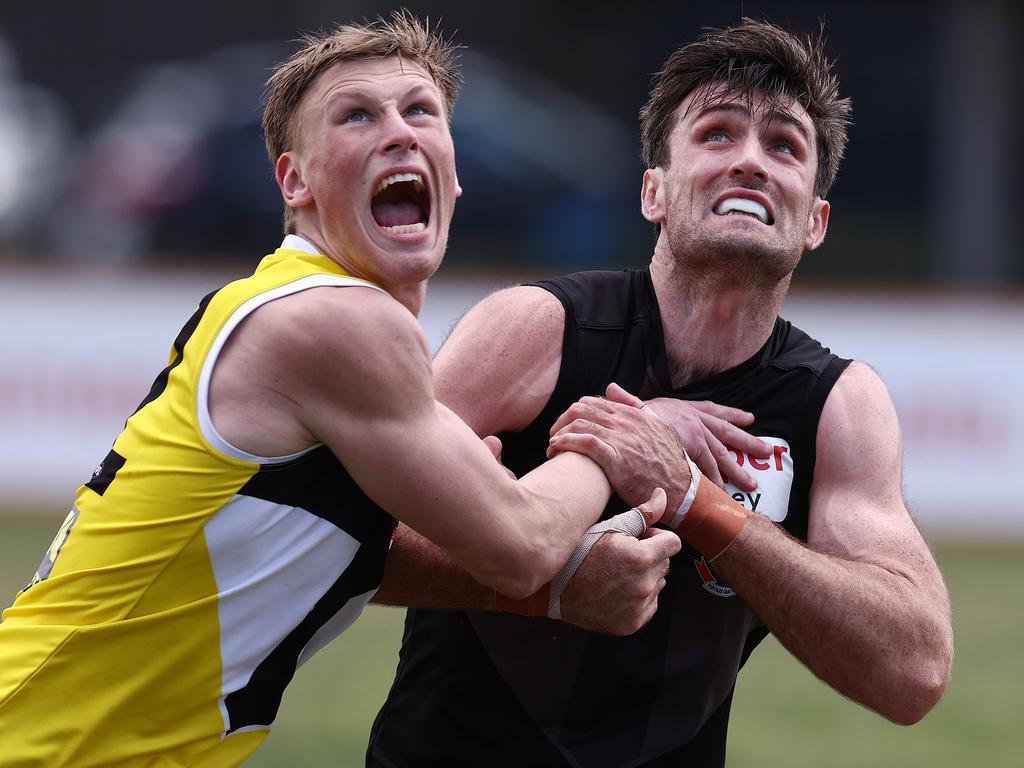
[708,517]
[532,605]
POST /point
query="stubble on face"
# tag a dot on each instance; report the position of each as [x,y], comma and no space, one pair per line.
[735,249]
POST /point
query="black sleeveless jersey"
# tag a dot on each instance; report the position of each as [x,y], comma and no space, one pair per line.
[483,688]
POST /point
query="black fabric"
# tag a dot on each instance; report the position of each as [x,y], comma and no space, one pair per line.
[481,688]
[105,473]
[318,483]
[315,482]
[257,702]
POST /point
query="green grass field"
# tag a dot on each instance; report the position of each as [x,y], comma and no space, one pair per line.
[782,715]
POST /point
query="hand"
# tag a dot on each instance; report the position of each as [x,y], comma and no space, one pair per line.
[616,588]
[706,429]
[637,450]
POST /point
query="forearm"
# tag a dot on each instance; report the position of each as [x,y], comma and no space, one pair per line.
[419,574]
[577,488]
[872,634]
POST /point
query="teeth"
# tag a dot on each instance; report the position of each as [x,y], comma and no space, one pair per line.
[743,205]
[405,229]
[415,178]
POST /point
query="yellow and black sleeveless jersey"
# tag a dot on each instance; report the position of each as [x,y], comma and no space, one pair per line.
[190,579]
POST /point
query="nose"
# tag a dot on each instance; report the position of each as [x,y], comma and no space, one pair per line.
[397,135]
[749,161]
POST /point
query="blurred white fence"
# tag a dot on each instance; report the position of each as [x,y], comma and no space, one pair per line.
[79,351]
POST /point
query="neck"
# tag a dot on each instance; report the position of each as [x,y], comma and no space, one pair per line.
[712,321]
[409,295]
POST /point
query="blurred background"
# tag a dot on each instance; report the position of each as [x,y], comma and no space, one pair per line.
[133,180]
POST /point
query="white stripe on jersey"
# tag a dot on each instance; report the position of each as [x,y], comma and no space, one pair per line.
[272,563]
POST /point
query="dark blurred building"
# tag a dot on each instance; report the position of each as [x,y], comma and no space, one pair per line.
[153,148]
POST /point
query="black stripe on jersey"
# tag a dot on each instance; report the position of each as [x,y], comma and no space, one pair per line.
[318,483]
[105,473]
[160,383]
[258,701]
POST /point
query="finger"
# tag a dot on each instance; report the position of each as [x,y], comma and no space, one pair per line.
[654,508]
[732,472]
[584,426]
[734,415]
[617,394]
[587,444]
[494,446]
[729,469]
[493,443]
[588,407]
[736,437]
[705,459]
[661,544]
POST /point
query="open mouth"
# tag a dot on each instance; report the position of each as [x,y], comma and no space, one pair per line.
[744,206]
[400,204]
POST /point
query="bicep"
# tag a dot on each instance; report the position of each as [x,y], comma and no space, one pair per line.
[857,511]
[501,363]
[367,394]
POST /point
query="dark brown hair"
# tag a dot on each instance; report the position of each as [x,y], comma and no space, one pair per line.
[754,56]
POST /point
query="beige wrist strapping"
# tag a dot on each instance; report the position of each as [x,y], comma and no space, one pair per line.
[708,517]
[546,601]
[631,522]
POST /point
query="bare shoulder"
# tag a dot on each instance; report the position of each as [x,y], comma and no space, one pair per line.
[857,508]
[296,364]
[508,319]
[317,320]
[500,365]
[858,426]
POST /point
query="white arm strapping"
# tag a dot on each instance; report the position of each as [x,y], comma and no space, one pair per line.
[630,522]
[691,494]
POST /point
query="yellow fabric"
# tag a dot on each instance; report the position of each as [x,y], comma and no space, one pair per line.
[113,658]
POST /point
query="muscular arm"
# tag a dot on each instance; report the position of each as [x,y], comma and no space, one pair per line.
[350,368]
[863,605]
[497,371]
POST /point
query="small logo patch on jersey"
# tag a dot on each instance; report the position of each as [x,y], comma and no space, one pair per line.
[711,581]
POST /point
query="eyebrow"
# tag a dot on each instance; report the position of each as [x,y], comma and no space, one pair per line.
[783,117]
[359,93]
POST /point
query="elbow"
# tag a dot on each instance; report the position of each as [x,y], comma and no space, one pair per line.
[914,704]
[521,580]
[921,688]
[517,575]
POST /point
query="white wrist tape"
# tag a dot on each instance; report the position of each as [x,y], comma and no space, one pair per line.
[691,494]
[630,522]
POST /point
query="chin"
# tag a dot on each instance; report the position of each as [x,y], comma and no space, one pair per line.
[748,255]
[415,266]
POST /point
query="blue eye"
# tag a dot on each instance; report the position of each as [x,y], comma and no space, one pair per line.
[716,134]
[416,110]
[785,147]
[356,116]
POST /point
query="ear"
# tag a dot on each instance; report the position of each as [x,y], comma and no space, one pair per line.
[294,190]
[817,224]
[652,198]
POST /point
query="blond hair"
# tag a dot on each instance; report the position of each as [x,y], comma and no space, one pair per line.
[402,35]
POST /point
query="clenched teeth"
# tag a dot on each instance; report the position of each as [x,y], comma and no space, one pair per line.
[405,229]
[743,205]
[415,178]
